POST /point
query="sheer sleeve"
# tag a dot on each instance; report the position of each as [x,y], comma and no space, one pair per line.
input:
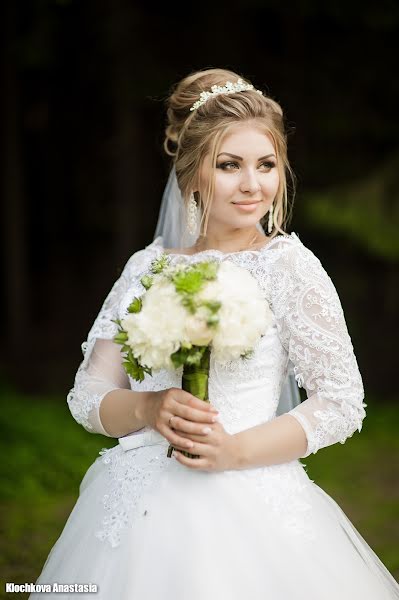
[313,330]
[101,369]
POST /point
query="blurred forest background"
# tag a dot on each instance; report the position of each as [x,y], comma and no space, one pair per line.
[83,85]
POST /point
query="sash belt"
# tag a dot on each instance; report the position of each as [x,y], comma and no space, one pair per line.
[137,439]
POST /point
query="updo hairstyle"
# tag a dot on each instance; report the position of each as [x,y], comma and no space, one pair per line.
[191,135]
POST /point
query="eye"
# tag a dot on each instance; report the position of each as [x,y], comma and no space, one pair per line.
[269,164]
[224,165]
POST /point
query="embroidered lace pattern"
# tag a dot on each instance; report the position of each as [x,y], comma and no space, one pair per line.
[308,329]
[313,332]
[131,475]
[90,388]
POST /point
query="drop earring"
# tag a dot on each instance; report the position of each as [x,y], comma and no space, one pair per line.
[192,215]
[270,222]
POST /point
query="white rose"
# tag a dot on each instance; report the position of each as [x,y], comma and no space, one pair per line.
[197,329]
[157,331]
[244,315]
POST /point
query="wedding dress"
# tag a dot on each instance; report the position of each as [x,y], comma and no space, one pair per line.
[146,527]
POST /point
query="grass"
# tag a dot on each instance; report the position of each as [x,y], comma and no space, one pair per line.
[45,455]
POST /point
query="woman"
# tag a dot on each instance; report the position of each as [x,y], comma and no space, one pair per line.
[243,519]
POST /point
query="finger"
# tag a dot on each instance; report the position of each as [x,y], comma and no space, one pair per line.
[199,436]
[179,442]
[189,399]
[178,439]
[192,428]
[193,414]
[193,463]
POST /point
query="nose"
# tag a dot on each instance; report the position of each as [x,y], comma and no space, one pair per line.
[249,181]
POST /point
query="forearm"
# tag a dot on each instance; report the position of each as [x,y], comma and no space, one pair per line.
[123,411]
[277,441]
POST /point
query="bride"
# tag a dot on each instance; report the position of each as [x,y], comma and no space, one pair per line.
[243,520]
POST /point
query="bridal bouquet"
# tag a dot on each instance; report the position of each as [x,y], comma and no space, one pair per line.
[186,311]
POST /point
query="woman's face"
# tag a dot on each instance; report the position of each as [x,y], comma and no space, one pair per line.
[246,172]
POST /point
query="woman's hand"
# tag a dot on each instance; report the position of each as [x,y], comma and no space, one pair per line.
[218,450]
[188,415]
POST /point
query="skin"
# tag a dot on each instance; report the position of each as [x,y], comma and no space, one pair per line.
[229,230]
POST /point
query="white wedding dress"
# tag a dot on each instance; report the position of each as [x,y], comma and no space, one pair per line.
[146,527]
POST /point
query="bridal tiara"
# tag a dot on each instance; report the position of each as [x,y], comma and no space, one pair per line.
[229,88]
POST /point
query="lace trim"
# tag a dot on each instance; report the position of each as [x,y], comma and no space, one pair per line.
[80,399]
[128,481]
[309,330]
[286,490]
[158,245]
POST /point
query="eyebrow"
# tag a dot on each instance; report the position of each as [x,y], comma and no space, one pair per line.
[240,157]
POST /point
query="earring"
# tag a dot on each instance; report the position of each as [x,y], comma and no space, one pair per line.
[192,215]
[270,222]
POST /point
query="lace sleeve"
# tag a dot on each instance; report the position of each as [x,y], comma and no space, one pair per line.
[313,330]
[101,369]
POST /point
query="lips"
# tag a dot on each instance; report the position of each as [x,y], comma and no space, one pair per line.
[247,202]
[246,206]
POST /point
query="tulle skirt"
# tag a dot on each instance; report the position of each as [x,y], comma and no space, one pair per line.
[263,533]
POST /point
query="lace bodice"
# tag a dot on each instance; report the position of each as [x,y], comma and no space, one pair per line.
[308,331]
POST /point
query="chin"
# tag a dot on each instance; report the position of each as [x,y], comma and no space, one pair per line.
[248,220]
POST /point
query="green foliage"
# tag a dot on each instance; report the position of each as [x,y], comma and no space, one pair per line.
[147,281]
[188,355]
[367,211]
[159,264]
[121,337]
[135,306]
[188,282]
[134,368]
[192,279]
[130,364]
[189,303]
[212,305]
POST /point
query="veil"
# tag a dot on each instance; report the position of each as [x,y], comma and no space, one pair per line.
[172,227]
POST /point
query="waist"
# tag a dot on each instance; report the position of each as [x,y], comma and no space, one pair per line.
[143,437]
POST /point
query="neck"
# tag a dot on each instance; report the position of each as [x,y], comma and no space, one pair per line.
[232,241]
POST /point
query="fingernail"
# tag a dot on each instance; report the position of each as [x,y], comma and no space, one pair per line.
[214,419]
[206,430]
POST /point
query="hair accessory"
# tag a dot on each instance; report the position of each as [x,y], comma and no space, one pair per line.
[192,215]
[270,222]
[229,88]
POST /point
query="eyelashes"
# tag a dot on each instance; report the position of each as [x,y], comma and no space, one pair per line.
[223,166]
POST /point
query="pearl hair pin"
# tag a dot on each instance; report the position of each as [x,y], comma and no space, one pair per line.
[229,88]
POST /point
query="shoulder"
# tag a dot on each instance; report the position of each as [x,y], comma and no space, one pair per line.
[288,248]
[289,257]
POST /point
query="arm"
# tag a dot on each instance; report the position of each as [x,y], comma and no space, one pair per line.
[312,329]
[274,442]
[101,381]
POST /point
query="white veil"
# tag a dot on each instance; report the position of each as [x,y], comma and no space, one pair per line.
[173,229]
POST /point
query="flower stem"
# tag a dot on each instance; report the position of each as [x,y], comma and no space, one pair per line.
[195,381]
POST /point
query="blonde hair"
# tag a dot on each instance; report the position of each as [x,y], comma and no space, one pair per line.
[190,135]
